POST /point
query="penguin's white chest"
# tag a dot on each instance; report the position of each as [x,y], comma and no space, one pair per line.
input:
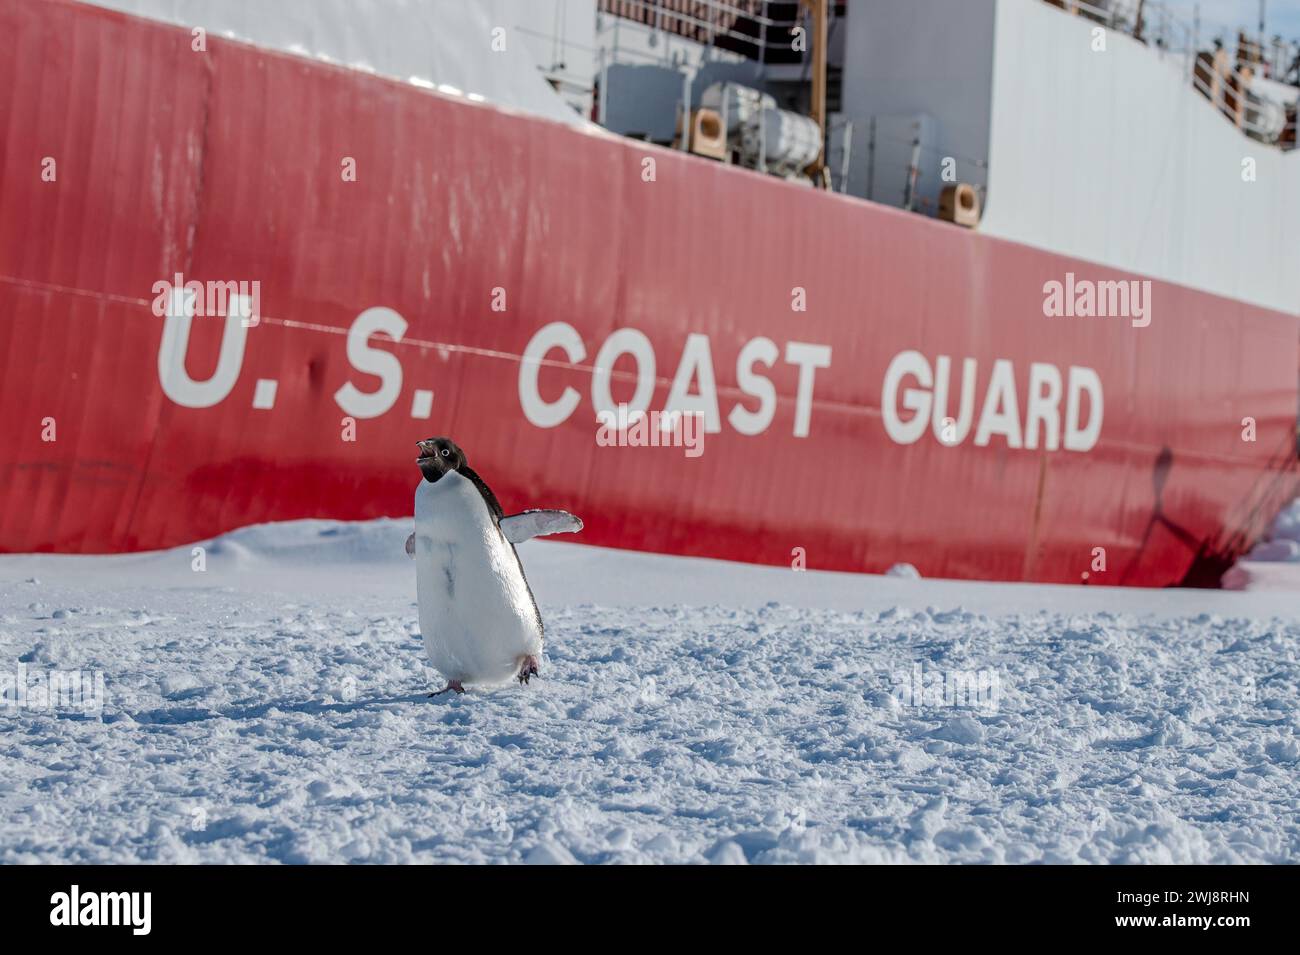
[477,615]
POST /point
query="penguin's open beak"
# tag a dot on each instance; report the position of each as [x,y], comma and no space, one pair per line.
[428,456]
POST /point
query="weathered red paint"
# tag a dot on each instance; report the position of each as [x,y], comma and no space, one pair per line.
[225,165]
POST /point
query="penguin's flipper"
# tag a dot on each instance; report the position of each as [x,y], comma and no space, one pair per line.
[538,523]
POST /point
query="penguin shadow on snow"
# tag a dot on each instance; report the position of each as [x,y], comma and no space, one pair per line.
[174,716]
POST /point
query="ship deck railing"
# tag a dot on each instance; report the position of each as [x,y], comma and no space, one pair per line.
[680,16]
[1210,72]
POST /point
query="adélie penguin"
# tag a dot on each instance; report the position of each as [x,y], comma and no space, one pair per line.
[478,617]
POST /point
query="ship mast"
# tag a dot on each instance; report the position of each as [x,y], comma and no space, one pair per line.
[817,109]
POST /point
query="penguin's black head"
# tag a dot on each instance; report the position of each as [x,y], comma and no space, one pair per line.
[437,457]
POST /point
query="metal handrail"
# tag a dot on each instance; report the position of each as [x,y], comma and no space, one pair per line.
[738,7]
[1231,97]
[1228,105]
[708,26]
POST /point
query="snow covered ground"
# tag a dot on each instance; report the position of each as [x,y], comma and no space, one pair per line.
[272,707]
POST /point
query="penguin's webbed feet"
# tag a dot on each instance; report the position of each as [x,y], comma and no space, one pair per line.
[528,668]
[451,685]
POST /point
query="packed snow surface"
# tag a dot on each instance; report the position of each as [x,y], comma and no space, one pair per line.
[272,707]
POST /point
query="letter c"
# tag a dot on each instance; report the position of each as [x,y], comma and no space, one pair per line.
[540,412]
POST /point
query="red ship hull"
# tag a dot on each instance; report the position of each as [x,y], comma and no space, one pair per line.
[485,236]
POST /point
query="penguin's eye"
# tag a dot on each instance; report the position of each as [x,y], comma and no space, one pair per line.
[446,453]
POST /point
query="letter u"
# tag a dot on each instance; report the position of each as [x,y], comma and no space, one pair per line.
[962,423]
[176,381]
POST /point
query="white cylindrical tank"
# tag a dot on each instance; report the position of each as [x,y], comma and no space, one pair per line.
[792,140]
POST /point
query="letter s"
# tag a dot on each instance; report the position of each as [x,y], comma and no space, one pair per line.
[373,361]
[756,351]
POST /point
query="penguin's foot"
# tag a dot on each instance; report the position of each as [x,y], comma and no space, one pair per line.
[527,668]
[451,685]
